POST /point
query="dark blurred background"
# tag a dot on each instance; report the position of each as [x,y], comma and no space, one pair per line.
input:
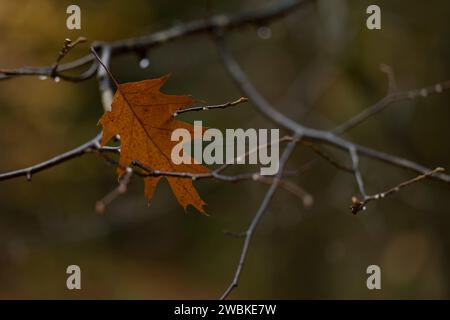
[320,66]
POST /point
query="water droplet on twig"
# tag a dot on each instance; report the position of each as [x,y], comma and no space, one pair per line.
[424,92]
[264,32]
[144,63]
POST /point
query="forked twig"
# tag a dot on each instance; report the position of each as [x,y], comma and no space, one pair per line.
[248,234]
[68,45]
[358,205]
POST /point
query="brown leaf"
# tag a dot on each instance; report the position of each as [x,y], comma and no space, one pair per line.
[143,117]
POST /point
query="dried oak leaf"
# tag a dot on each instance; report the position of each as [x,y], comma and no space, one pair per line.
[143,117]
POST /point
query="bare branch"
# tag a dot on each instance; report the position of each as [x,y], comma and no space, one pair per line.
[392,97]
[101,205]
[357,171]
[215,174]
[259,214]
[218,25]
[76,152]
[213,24]
[104,85]
[68,45]
[219,22]
[392,81]
[217,106]
[296,190]
[358,205]
[309,134]
[47,71]
[326,156]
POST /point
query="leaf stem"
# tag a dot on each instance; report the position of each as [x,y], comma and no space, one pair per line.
[106,68]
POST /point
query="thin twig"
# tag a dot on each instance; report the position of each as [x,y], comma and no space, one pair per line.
[357,172]
[105,67]
[68,45]
[295,189]
[358,205]
[259,214]
[218,22]
[326,156]
[212,107]
[101,205]
[392,81]
[309,134]
[76,152]
[104,85]
[215,174]
[217,25]
[392,96]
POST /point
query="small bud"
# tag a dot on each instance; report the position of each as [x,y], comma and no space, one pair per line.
[308,201]
[99,207]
